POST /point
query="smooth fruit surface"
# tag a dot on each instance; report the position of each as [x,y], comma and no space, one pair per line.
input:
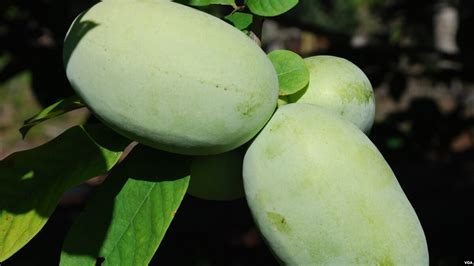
[170,76]
[219,176]
[322,194]
[340,86]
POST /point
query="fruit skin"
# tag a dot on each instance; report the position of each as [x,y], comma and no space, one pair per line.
[170,76]
[219,176]
[322,194]
[338,85]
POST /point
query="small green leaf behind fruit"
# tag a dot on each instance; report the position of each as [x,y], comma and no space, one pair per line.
[270,8]
[124,223]
[240,20]
[33,181]
[293,75]
[59,108]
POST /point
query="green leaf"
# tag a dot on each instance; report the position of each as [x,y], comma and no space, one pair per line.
[125,221]
[293,75]
[394,143]
[211,2]
[270,8]
[240,20]
[33,181]
[59,108]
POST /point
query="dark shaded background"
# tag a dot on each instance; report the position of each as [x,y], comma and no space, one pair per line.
[424,123]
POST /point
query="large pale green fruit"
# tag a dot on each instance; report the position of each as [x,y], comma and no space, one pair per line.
[170,76]
[322,194]
[340,86]
[219,176]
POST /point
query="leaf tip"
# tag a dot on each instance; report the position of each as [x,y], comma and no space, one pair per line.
[24,130]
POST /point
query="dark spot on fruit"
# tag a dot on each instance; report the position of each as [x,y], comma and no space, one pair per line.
[279,222]
[247,109]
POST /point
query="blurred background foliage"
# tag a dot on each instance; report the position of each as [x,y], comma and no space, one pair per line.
[419,56]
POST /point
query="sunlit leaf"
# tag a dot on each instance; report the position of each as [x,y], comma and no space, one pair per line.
[124,223]
[293,75]
[59,108]
[240,20]
[33,181]
[270,8]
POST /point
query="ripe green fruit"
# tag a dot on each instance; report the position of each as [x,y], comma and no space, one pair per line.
[218,177]
[170,76]
[340,86]
[322,194]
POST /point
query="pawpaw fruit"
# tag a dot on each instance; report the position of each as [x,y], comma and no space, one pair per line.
[340,86]
[322,194]
[170,76]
